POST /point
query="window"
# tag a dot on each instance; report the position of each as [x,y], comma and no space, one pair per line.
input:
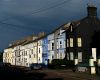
[79,42]
[25,59]
[32,51]
[39,50]
[71,28]
[60,44]
[52,56]
[67,42]
[26,53]
[12,60]
[34,55]
[60,55]
[71,56]
[39,58]
[94,51]
[27,64]
[57,44]
[22,53]
[67,56]
[52,46]
[29,56]
[71,42]
[79,56]
[19,59]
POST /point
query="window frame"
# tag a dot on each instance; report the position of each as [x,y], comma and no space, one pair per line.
[71,41]
[79,42]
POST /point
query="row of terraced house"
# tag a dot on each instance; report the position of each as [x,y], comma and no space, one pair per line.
[37,49]
[78,38]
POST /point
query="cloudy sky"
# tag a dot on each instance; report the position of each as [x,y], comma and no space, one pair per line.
[20,18]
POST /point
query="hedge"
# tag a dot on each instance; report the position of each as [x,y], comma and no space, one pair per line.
[57,63]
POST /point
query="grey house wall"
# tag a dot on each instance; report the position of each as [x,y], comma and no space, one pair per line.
[88,29]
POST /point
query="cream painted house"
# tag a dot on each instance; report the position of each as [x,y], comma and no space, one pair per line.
[35,55]
[39,51]
[8,56]
[17,55]
[28,54]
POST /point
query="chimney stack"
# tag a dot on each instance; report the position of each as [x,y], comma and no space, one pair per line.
[91,10]
[41,34]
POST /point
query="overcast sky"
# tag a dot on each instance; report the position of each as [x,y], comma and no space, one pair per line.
[20,18]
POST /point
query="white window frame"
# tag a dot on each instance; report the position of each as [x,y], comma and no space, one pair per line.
[94,52]
[67,42]
[79,57]
[71,42]
[71,56]
[79,42]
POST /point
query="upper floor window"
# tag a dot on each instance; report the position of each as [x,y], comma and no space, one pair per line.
[67,42]
[60,44]
[25,59]
[71,42]
[39,50]
[52,46]
[34,55]
[39,58]
[26,53]
[57,44]
[29,56]
[79,42]
[22,53]
[71,28]
[32,51]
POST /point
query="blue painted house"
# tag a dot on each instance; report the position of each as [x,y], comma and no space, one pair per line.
[45,50]
[61,45]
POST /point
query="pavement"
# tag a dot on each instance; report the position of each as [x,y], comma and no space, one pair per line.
[22,73]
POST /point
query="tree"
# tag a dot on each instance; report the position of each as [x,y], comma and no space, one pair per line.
[1,56]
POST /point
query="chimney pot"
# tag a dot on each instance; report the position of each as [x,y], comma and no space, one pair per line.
[92,11]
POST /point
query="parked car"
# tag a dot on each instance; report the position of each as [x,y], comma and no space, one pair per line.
[36,66]
[1,64]
[81,67]
[5,64]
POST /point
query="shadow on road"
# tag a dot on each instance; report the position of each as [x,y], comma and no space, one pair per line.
[14,73]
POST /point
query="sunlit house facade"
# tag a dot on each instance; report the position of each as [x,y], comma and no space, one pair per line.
[45,50]
[73,39]
[8,56]
[50,47]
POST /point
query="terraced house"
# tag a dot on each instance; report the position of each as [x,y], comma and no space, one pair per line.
[78,38]
[83,37]
[8,56]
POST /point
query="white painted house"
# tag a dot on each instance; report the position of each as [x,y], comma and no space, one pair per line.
[50,47]
[39,49]
[61,48]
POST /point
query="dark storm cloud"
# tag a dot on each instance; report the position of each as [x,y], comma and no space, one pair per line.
[33,16]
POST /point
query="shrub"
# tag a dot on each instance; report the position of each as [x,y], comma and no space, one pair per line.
[58,63]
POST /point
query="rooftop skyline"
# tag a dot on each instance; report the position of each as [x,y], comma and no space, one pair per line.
[20,18]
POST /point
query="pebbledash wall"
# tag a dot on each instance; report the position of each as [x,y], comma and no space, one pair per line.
[78,38]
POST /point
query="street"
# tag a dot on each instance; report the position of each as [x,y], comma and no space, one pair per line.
[16,73]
